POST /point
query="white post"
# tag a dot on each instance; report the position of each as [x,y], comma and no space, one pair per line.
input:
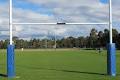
[110,21]
[10,21]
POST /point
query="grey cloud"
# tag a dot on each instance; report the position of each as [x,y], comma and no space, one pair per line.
[62,10]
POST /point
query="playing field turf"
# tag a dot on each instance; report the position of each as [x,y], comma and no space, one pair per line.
[59,65]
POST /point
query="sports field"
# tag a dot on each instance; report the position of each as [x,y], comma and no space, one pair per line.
[59,65]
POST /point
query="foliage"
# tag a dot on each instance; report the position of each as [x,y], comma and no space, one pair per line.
[94,40]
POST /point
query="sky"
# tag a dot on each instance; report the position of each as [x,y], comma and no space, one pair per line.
[47,11]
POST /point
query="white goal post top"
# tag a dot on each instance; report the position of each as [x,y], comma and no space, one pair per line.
[11,23]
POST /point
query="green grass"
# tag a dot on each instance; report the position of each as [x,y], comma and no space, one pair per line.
[59,65]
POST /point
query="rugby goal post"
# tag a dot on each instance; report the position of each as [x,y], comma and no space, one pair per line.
[111,58]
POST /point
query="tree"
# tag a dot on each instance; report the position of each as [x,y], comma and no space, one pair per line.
[115,35]
[93,38]
[105,37]
[92,41]
[81,42]
[100,39]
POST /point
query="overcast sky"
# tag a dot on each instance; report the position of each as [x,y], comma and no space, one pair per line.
[56,11]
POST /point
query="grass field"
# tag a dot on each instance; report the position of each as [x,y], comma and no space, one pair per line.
[59,65]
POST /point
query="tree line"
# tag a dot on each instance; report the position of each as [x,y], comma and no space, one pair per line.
[96,39]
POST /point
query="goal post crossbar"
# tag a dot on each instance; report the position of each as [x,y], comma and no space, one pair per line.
[60,23]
